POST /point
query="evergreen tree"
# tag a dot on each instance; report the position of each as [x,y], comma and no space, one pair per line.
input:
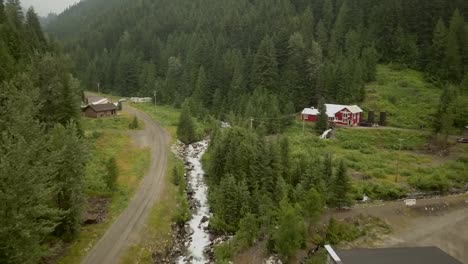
[265,66]
[439,46]
[248,231]
[341,188]
[328,170]
[315,65]
[69,178]
[134,124]
[322,117]
[199,94]
[112,173]
[289,236]
[186,128]
[15,13]
[27,169]
[34,27]
[2,12]
[312,205]
[370,59]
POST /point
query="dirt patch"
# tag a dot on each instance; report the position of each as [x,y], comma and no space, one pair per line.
[96,211]
[435,221]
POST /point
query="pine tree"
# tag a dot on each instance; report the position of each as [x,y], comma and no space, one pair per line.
[453,58]
[7,62]
[134,124]
[328,169]
[199,95]
[112,173]
[370,58]
[322,118]
[321,36]
[327,14]
[34,27]
[289,235]
[439,46]
[314,67]
[69,179]
[312,205]
[341,188]
[265,66]
[27,169]
[15,13]
[186,128]
[2,12]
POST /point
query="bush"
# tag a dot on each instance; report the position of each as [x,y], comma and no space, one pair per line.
[134,124]
[432,182]
[338,231]
[224,252]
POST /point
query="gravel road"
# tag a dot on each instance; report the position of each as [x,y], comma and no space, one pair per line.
[126,229]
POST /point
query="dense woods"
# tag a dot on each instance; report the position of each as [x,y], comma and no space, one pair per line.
[267,60]
[243,57]
[260,190]
[42,154]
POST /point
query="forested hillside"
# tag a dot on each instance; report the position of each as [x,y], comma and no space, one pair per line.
[285,53]
[268,59]
[42,155]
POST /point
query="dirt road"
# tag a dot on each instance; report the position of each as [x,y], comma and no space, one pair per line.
[440,222]
[128,225]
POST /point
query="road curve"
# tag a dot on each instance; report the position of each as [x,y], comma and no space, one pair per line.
[124,231]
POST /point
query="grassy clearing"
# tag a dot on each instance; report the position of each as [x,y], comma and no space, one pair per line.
[106,140]
[376,161]
[168,117]
[405,95]
[157,235]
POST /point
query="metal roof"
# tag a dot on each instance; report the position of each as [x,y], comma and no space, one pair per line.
[404,255]
[310,111]
[332,109]
[103,107]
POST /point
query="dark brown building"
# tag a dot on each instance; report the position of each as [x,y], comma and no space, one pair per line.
[100,110]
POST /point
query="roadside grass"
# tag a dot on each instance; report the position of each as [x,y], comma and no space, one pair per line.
[157,235]
[168,117]
[106,139]
[377,165]
[119,123]
[408,99]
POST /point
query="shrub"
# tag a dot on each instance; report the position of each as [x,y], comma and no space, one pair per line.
[224,252]
[432,182]
[134,124]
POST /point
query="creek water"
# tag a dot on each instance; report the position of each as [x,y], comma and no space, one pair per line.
[199,238]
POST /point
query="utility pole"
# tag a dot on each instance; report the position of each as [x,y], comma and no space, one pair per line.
[398,159]
[303,124]
[155,89]
[251,122]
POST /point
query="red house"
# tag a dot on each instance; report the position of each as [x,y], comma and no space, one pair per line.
[347,115]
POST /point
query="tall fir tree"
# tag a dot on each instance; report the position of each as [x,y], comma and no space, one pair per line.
[341,188]
[322,117]
[69,180]
[186,128]
[265,66]
[27,170]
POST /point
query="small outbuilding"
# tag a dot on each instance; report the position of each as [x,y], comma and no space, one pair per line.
[100,110]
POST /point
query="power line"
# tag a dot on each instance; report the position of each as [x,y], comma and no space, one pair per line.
[273,118]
